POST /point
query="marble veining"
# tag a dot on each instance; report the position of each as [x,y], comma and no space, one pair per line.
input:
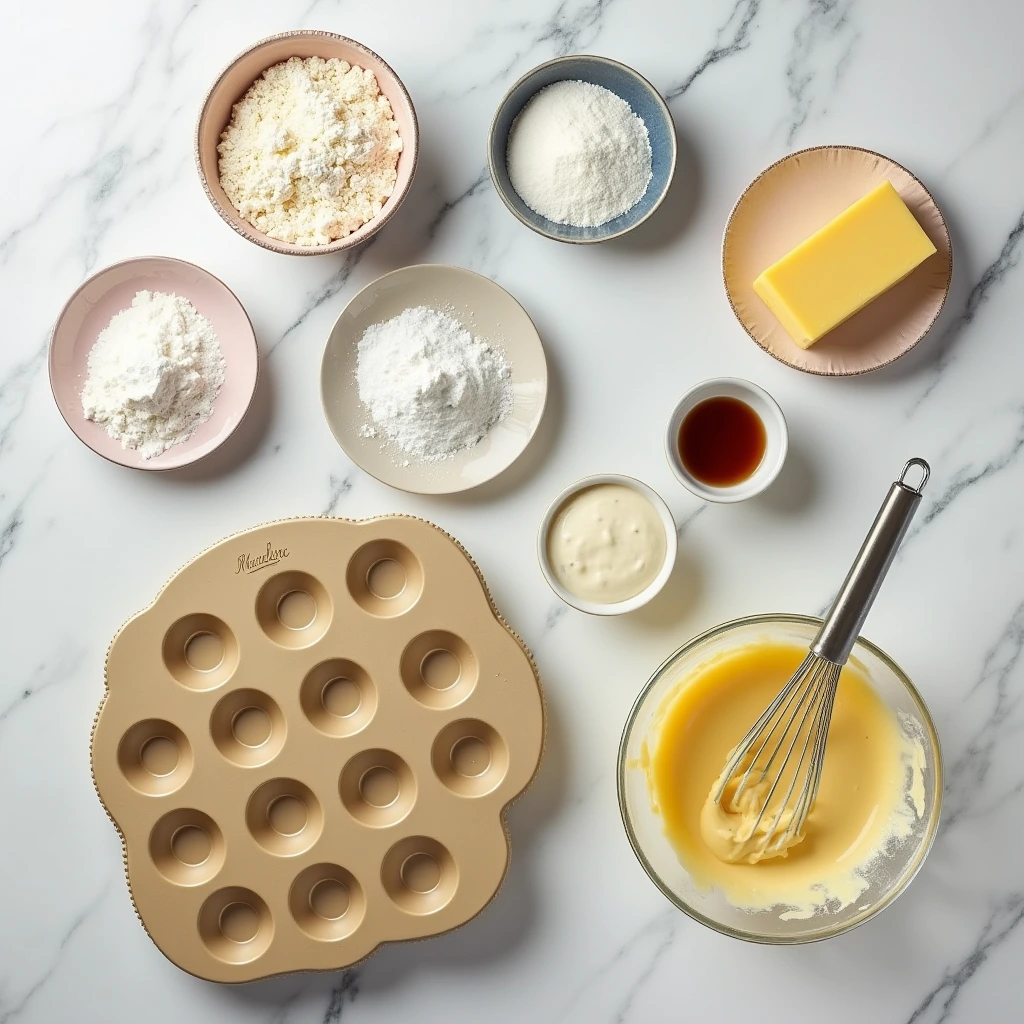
[682,525]
[732,37]
[571,26]
[993,275]
[967,792]
[341,994]
[556,613]
[577,933]
[14,388]
[331,287]
[340,487]
[19,1007]
[823,46]
[481,181]
[973,473]
[9,531]
[46,674]
[939,1005]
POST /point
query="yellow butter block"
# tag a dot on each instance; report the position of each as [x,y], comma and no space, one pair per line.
[867,249]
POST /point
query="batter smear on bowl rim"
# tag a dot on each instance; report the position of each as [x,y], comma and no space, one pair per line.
[869,797]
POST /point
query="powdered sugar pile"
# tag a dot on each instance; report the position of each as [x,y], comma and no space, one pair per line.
[577,154]
[430,386]
[154,373]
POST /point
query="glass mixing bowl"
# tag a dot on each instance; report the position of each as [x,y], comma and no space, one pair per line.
[889,875]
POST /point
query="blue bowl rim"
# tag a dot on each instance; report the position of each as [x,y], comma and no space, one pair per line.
[599,60]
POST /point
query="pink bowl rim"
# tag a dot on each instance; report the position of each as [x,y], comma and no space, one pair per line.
[361,234]
[50,371]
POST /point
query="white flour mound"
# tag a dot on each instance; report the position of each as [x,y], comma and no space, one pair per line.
[154,373]
[577,154]
[311,151]
[430,386]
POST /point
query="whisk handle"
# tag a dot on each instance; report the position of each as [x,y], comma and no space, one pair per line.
[842,625]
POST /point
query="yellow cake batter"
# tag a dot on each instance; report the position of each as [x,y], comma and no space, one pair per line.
[865,799]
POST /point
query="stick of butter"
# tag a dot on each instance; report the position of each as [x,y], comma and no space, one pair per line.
[867,249]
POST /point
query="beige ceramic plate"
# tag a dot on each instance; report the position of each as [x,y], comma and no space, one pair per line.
[488,312]
[789,202]
[308,743]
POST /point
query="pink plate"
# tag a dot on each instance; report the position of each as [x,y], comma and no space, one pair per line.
[787,203]
[89,310]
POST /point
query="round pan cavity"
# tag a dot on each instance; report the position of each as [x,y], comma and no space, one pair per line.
[419,875]
[235,925]
[155,757]
[200,651]
[377,788]
[187,846]
[294,609]
[248,727]
[469,757]
[327,902]
[439,669]
[385,578]
[338,697]
[284,817]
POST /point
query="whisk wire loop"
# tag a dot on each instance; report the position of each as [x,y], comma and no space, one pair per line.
[816,688]
[810,790]
[810,773]
[782,700]
[797,720]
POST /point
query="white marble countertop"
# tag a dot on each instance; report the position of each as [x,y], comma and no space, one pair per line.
[98,167]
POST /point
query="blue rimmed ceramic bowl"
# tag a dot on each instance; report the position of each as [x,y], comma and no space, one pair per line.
[626,83]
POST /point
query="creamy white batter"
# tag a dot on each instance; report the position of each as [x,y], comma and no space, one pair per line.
[607,543]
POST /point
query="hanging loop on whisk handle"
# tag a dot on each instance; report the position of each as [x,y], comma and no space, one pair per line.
[842,625]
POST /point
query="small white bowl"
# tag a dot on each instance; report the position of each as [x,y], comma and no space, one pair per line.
[645,595]
[776,438]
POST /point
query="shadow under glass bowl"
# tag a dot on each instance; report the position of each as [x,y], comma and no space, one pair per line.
[644,100]
[890,875]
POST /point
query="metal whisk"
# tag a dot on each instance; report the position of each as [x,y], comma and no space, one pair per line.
[761,772]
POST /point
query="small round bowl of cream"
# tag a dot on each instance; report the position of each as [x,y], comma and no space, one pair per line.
[726,440]
[607,544]
[582,149]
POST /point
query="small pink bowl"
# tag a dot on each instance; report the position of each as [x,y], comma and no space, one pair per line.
[88,312]
[234,82]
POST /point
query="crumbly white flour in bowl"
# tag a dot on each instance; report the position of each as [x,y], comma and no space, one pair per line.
[311,151]
[430,386]
[154,373]
[578,155]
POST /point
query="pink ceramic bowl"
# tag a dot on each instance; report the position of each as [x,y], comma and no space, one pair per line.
[89,310]
[234,82]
